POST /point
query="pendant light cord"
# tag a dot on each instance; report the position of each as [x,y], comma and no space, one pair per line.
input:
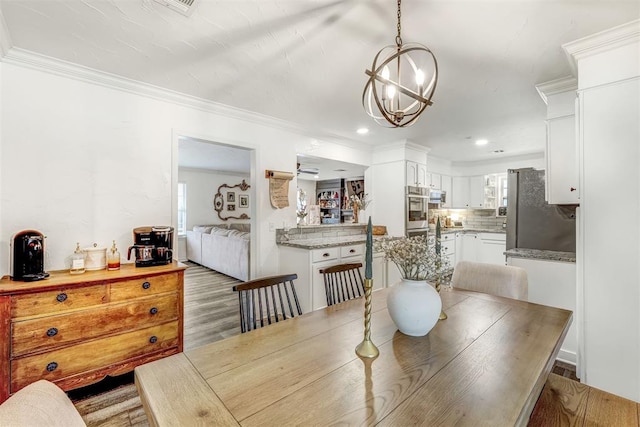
[398,37]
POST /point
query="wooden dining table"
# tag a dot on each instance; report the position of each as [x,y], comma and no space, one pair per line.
[485,365]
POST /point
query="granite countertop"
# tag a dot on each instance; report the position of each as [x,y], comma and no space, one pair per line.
[541,254]
[472,230]
[327,242]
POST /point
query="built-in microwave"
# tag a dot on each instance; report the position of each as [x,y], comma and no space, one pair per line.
[437,196]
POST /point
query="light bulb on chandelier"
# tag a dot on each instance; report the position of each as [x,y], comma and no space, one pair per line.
[395,93]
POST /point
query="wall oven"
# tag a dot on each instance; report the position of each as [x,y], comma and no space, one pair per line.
[417,208]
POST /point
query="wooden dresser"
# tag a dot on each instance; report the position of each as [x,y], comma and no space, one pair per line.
[76,329]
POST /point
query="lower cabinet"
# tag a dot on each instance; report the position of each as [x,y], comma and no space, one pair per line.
[492,247]
[553,283]
[481,247]
[307,263]
[74,330]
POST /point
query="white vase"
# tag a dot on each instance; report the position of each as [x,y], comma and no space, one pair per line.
[414,306]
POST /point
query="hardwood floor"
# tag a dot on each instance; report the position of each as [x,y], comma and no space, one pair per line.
[211,314]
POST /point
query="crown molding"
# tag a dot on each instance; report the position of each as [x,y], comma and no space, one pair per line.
[535,155]
[554,87]
[24,58]
[601,42]
[5,37]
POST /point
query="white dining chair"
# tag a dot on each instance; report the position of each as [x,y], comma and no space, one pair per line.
[500,280]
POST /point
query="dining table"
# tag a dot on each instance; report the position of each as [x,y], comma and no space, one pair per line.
[484,365]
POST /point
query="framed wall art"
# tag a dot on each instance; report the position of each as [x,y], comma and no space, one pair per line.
[230,196]
[243,200]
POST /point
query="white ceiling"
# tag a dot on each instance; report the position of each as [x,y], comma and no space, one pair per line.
[304,61]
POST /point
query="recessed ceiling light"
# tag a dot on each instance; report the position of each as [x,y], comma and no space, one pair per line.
[481,142]
[362,131]
[316,176]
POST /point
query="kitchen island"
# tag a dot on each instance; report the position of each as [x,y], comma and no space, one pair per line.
[307,250]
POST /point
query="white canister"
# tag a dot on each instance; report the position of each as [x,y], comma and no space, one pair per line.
[95,258]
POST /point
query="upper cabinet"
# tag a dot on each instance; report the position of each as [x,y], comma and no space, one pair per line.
[468,192]
[562,145]
[477,192]
[434,180]
[417,175]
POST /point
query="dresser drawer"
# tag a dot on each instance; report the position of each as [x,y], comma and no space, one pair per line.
[84,357]
[46,333]
[52,302]
[351,250]
[325,254]
[144,286]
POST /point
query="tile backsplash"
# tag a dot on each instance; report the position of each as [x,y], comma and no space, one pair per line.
[472,218]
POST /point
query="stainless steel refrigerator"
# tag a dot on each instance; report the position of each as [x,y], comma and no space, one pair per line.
[532,223]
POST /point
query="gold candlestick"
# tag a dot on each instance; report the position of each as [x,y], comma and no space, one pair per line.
[367,348]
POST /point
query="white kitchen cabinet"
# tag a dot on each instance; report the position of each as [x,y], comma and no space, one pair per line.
[417,174]
[562,164]
[435,180]
[492,248]
[470,248]
[476,191]
[379,271]
[561,153]
[468,192]
[553,283]
[307,263]
[448,247]
[460,190]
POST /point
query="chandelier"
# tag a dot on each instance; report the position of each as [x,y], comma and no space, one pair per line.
[396,93]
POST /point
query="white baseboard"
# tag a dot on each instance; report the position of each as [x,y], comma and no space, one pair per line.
[569,357]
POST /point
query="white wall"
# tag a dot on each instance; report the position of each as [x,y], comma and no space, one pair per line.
[87,163]
[608,299]
[202,185]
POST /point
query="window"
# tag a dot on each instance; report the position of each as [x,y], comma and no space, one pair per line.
[182,208]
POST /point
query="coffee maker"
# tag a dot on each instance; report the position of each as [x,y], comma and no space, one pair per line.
[152,245]
[27,256]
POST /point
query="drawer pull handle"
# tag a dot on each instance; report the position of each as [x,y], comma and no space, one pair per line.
[146,285]
[352,251]
[326,254]
[52,332]
[573,189]
[52,366]
[61,297]
[154,310]
[153,339]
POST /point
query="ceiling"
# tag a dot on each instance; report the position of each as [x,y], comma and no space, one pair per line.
[304,61]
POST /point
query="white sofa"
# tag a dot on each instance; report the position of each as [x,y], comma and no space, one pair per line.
[221,247]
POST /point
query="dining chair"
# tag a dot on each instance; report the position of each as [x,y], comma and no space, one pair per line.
[267,300]
[500,280]
[342,282]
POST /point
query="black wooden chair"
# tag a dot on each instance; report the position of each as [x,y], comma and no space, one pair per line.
[343,282]
[267,300]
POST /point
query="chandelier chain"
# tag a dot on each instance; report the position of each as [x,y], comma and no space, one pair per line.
[399,37]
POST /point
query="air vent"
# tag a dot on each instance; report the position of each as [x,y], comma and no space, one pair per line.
[185,7]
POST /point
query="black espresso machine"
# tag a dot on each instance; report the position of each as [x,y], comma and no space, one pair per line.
[152,245]
[27,256]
